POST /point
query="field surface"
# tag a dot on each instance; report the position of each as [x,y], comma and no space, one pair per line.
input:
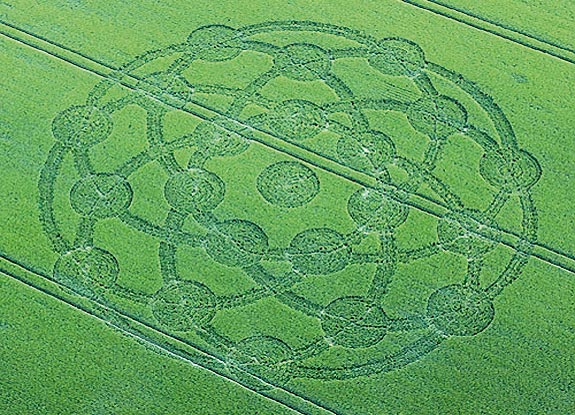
[317,208]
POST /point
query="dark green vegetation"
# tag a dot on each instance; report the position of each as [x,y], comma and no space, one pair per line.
[315,213]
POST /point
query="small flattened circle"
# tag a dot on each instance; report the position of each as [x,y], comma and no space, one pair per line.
[457,310]
[494,168]
[87,270]
[398,57]
[303,62]
[374,212]
[519,170]
[194,190]
[437,117]
[183,305]
[214,43]
[175,89]
[297,119]
[319,251]
[461,233]
[101,195]
[236,243]
[265,355]
[354,322]
[288,184]
[525,169]
[81,126]
[217,141]
[368,151]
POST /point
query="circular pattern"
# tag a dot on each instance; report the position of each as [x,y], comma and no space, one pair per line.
[101,195]
[319,251]
[175,88]
[81,126]
[460,311]
[303,62]
[368,151]
[437,117]
[288,184]
[375,212]
[87,270]
[183,305]
[355,127]
[217,141]
[354,322]
[519,171]
[195,190]
[297,119]
[236,243]
[461,233]
[265,356]
[398,57]
[214,43]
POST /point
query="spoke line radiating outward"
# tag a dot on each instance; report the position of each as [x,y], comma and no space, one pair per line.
[178,347]
[421,202]
[504,32]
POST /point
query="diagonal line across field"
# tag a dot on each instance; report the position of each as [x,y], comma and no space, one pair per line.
[155,338]
[504,26]
[494,28]
[550,255]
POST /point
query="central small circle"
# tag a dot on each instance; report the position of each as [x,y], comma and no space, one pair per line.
[288,184]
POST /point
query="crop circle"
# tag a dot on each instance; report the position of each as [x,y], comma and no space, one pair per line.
[461,233]
[375,212]
[87,270]
[398,57]
[236,243]
[319,251]
[82,126]
[217,141]
[460,311]
[214,43]
[314,94]
[519,170]
[437,117]
[368,151]
[183,305]
[101,195]
[261,350]
[288,184]
[195,190]
[354,322]
[297,119]
[303,62]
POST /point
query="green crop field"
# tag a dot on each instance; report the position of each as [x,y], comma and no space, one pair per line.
[317,208]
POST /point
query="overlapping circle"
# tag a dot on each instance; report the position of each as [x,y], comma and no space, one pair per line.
[193,192]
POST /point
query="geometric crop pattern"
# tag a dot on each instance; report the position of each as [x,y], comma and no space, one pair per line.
[352,323]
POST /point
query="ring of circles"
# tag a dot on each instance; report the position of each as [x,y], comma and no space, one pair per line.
[193,192]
